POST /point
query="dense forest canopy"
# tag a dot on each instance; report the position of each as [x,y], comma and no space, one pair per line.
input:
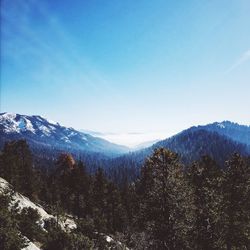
[168,206]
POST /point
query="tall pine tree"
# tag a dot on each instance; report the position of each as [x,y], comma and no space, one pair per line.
[166,202]
[206,179]
[236,212]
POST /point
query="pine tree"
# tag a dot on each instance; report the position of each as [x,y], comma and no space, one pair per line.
[62,181]
[114,210]
[17,166]
[99,201]
[236,212]
[10,237]
[166,202]
[80,189]
[28,221]
[206,179]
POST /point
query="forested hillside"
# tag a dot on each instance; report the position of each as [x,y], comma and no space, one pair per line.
[169,206]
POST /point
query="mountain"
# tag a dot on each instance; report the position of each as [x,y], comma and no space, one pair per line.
[218,140]
[41,133]
[145,144]
[192,143]
[238,133]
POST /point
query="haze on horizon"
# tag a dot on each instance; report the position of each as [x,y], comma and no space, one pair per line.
[147,67]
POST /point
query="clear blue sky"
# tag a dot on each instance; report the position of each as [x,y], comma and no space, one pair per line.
[127,66]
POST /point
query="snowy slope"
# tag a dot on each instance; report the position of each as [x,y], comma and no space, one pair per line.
[42,133]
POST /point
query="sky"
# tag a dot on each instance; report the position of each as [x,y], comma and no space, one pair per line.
[126,68]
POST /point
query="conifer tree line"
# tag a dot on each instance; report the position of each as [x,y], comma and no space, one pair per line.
[169,206]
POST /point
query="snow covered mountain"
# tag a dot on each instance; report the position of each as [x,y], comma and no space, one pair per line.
[40,132]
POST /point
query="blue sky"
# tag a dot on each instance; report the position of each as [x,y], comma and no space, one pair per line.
[127,66]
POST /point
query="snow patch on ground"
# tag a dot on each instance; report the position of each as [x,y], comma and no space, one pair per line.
[109,239]
[84,137]
[45,130]
[9,122]
[29,126]
[52,122]
[66,139]
[72,134]
[13,125]
[221,125]
[8,116]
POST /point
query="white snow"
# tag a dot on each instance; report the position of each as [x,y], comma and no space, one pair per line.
[52,122]
[12,125]
[52,127]
[66,139]
[8,116]
[84,138]
[29,126]
[72,134]
[45,130]
[221,125]
[109,239]
[39,118]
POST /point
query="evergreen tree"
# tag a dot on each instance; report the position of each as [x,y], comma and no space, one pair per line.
[206,179]
[17,166]
[62,181]
[29,224]
[166,202]
[80,190]
[99,201]
[10,236]
[57,239]
[236,212]
[115,212]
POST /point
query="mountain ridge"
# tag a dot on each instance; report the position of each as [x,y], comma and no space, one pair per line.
[218,139]
[40,131]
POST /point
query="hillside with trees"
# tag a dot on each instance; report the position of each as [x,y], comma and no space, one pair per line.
[168,206]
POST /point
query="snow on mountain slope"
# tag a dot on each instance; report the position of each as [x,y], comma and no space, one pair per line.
[12,125]
[40,132]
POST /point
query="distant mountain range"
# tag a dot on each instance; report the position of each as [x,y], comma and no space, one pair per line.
[42,133]
[219,140]
[133,140]
[195,142]
[238,133]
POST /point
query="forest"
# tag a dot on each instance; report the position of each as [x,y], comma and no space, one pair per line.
[167,205]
